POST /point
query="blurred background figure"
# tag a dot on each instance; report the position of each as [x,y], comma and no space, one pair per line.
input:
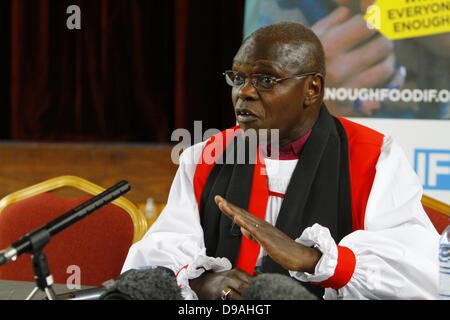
[359,57]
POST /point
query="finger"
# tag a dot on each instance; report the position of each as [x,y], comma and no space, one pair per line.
[228,206]
[243,217]
[249,227]
[244,276]
[245,227]
[232,211]
[237,291]
[376,75]
[243,223]
[249,223]
[347,35]
[336,17]
[218,199]
[223,206]
[236,283]
[249,235]
[367,55]
[234,295]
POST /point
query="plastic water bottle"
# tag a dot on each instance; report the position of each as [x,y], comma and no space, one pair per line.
[444,265]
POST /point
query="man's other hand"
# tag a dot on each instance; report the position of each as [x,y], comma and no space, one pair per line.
[209,285]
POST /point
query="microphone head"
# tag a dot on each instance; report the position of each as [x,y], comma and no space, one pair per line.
[3,259]
[155,283]
[274,286]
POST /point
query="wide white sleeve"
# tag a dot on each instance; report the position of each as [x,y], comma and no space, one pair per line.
[396,255]
[175,240]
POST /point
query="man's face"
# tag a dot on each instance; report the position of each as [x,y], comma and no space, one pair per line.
[282,106]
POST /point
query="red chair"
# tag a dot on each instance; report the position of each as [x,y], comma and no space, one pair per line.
[95,246]
[437,211]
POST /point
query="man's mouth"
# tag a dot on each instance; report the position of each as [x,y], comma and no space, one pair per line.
[245,116]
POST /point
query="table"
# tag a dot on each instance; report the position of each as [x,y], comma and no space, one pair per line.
[19,290]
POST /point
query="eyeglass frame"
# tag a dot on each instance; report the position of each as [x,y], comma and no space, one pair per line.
[276,80]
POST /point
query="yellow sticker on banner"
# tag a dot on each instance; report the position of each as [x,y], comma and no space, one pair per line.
[401,19]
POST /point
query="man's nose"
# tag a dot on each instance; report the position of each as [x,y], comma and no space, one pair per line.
[247,91]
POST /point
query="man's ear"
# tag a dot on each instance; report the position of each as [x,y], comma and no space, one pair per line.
[314,90]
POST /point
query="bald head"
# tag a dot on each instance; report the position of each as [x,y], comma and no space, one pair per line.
[292,40]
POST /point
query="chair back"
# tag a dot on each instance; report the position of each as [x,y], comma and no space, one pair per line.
[89,252]
[437,211]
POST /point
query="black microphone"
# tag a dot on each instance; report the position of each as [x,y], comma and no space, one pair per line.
[151,283]
[274,286]
[38,238]
[86,294]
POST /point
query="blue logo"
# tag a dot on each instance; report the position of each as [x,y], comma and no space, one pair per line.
[433,168]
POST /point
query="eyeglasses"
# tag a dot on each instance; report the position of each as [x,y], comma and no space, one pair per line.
[259,81]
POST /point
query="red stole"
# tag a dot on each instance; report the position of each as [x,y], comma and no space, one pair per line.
[213,149]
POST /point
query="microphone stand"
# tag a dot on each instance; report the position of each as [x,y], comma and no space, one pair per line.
[42,275]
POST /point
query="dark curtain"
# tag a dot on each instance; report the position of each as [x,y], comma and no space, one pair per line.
[208,35]
[5,23]
[135,71]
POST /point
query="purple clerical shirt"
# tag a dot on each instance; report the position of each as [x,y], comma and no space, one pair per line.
[292,151]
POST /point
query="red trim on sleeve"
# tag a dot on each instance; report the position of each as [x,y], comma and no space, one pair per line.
[344,269]
[176,276]
[184,267]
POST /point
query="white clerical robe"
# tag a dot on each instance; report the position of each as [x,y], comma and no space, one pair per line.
[396,253]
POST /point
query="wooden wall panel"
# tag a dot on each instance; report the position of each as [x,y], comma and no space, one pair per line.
[148,168]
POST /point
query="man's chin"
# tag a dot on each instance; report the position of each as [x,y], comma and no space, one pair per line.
[262,134]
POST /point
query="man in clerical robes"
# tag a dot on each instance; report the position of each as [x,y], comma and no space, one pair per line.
[338,210]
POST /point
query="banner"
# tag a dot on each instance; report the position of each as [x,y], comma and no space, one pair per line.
[388,67]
